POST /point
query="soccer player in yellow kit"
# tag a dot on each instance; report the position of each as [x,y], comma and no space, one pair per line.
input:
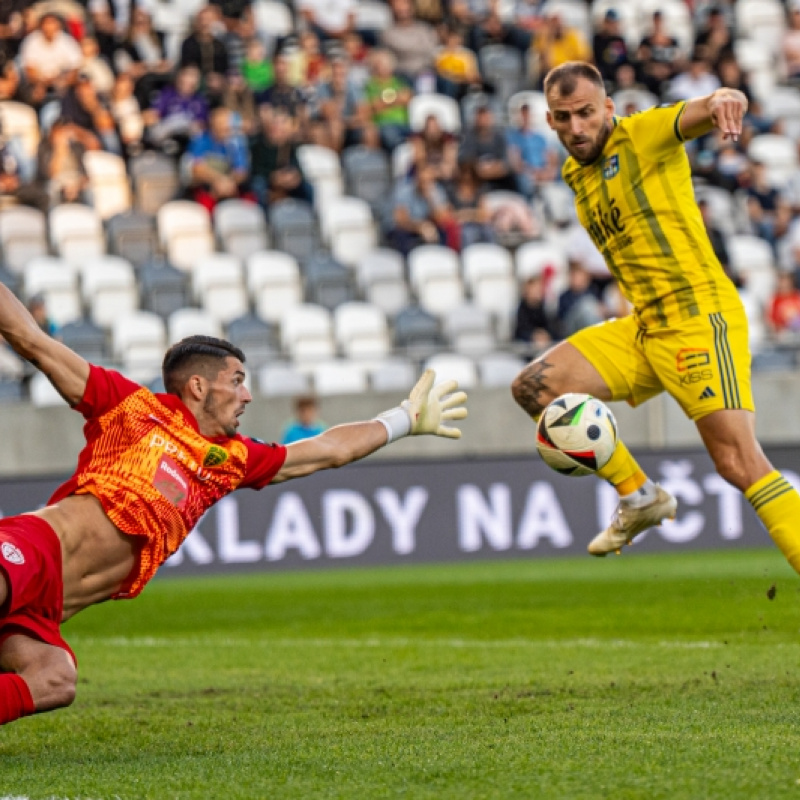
[688,330]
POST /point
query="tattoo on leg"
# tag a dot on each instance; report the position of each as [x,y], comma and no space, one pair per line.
[530,388]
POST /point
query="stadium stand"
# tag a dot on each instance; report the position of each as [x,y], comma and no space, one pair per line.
[130,245]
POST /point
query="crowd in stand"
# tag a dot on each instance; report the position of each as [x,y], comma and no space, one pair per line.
[234,98]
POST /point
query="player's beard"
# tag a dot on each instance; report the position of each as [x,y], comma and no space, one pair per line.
[211,408]
[597,148]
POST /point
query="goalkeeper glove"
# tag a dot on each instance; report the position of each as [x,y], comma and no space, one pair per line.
[426,409]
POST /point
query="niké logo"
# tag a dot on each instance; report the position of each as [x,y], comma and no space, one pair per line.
[604,223]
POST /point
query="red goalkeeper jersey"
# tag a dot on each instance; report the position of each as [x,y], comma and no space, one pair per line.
[153,471]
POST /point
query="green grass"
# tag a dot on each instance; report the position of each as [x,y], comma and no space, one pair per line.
[639,677]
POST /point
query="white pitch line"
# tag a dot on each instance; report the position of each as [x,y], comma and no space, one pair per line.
[392,642]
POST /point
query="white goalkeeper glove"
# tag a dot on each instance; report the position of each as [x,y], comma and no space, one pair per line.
[426,410]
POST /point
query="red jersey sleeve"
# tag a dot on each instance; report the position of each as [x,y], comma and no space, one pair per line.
[263,462]
[104,390]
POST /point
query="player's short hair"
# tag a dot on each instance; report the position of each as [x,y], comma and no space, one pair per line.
[204,355]
[564,78]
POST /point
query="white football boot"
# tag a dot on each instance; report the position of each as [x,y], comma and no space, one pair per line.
[629,521]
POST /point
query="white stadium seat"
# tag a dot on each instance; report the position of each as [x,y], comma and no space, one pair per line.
[778,153]
[108,285]
[76,232]
[307,333]
[361,331]
[138,341]
[108,181]
[184,230]
[241,227]
[453,366]
[444,108]
[431,261]
[273,278]
[57,281]
[23,236]
[191,322]
[339,377]
[348,226]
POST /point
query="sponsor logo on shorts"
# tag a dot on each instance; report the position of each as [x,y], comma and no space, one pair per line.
[215,456]
[693,365]
[12,553]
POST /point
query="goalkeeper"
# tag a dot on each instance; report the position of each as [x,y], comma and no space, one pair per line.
[152,465]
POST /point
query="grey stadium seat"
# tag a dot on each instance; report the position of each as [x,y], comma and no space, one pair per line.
[294,228]
[255,337]
[416,332]
[86,339]
[367,175]
[164,289]
[155,181]
[132,236]
[328,283]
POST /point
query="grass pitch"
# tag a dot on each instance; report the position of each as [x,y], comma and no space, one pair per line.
[640,677]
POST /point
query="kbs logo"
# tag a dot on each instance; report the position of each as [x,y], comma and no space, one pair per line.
[215,456]
[12,553]
[693,365]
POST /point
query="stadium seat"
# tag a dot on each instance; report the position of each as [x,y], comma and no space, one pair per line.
[86,339]
[479,260]
[394,374]
[444,108]
[361,331]
[215,269]
[76,232]
[328,283]
[764,20]
[537,103]
[43,394]
[431,261]
[629,19]
[273,279]
[339,377]
[416,332]
[19,120]
[498,370]
[468,329]
[155,181]
[225,301]
[441,294]
[132,236]
[640,99]
[721,207]
[138,343]
[534,257]
[402,159]
[367,175]
[163,288]
[322,169]
[184,231]
[23,236]
[502,66]
[293,228]
[11,391]
[57,281]
[472,101]
[307,333]
[282,380]
[108,284]
[241,227]
[677,19]
[372,16]
[348,227]
[255,337]
[273,19]
[454,366]
[108,182]
[753,260]
[777,153]
[783,104]
[380,276]
[191,322]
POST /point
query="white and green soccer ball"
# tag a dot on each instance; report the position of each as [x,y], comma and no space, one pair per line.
[577,434]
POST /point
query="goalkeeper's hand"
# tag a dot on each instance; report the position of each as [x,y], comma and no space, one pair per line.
[430,406]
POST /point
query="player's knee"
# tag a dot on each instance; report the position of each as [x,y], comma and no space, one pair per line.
[53,684]
[730,466]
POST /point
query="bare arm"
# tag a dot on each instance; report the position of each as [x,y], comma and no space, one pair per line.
[67,371]
[426,411]
[724,109]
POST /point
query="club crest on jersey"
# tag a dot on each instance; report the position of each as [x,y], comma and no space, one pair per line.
[610,166]
[12,553]
[215,456]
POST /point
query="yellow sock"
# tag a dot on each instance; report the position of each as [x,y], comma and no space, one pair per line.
[777,504]
[622,471]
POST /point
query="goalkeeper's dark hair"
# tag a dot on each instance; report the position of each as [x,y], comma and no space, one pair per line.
[203,355]
[564,78]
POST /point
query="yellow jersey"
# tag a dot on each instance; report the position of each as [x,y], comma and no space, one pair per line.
[637,203]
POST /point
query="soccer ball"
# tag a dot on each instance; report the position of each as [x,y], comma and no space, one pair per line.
[576,435]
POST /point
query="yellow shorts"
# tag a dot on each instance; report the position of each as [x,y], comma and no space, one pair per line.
[703,362]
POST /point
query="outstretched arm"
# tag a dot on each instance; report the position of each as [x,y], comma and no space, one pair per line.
[724,109]
[67,371]
[425,411]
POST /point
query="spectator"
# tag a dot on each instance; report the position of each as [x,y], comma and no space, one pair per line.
[202,49]
[557,43]
[492,29]
[84,108]
[127,114]
[306,422]
[234,33]
[456,67]
[111,21]
[696,81]
[470,209]
[715,40]
[329,19]
[179,113]
[14,186]
[790,46]
[275,168]
[436,148]
[257,69]
[609,48]
[144,56]
[730,74]
[60,161]
[219,162]
[783,315]
[38,310]
[282,95]
[529,16]
[50,60]
[485,147]
[95,67]
[768,213]
[238,98]
[659,57]
[578,306]
[312,64]
[535,326]
[532,159]
[387,97]
[581,249]
[341,116]
[413,43]
[9,77]
[420,212]
[357,54]
[12,28]
[717,239]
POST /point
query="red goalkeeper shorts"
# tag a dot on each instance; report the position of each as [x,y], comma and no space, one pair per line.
[30,559]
